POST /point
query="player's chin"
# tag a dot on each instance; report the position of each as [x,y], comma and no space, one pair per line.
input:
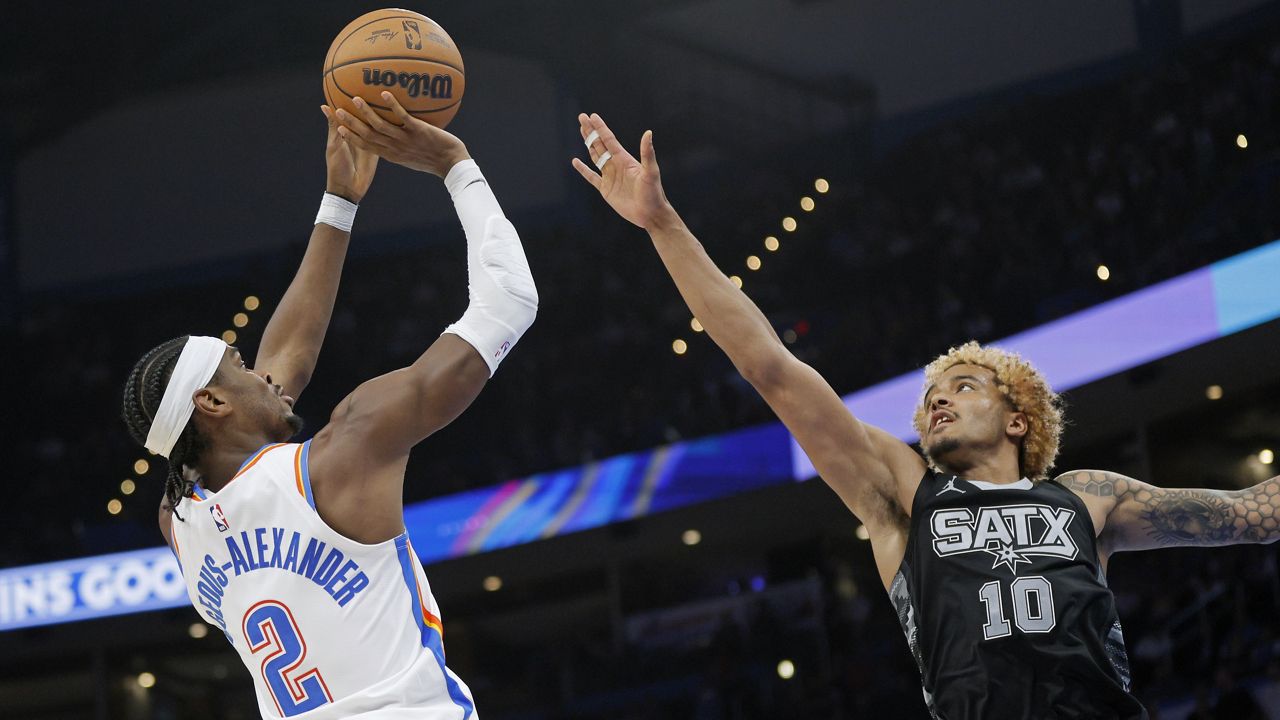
[294,422]
[939,448]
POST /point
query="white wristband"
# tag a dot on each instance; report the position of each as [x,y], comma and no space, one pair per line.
[337,212]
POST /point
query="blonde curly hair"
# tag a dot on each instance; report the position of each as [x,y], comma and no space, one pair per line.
[1024,388]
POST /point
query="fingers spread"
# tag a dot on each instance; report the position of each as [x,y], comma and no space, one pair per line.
[354,124]
[606,135]
[374,120]
[400,113]
[587,173]
[354,140]
[647,156]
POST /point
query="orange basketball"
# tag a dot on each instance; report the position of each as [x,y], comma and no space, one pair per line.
[399,51]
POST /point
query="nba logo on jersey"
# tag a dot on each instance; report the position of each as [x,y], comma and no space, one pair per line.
[219,519]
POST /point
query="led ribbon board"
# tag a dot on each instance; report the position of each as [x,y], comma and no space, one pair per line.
[90,587]
[1188,310]
[1206,304]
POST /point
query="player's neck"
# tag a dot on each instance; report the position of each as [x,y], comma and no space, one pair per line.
[219,463]
[995,468]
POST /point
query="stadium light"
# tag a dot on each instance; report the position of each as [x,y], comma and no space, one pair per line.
[786,669]
[691,537]
[146,680]
[493,583]
[1266,457]
[1213,392]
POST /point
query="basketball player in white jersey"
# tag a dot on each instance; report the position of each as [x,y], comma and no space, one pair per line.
[998,573]
[298,552]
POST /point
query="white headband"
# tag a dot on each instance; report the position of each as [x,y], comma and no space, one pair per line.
[196,365]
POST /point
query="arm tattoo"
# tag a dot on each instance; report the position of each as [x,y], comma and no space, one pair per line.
[1180,517]
[1092,482]
[1189,517]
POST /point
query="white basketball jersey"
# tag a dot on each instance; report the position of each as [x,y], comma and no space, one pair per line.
[328,627]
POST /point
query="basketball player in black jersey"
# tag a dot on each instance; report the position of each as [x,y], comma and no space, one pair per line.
[997,573]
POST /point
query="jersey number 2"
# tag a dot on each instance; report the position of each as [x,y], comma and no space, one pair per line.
[1032,607]
[269,628]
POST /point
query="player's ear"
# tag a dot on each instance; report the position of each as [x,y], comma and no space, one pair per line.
[1016,426]
[211,402]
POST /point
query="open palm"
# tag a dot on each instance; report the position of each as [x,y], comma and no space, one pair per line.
[632,188]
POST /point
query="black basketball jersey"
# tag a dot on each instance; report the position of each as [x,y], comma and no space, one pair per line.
[1006,607]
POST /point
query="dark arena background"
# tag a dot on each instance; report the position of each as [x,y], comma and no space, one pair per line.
[619,528]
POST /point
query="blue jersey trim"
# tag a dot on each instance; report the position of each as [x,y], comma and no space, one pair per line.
[431,638]
[306,474]
[199,491]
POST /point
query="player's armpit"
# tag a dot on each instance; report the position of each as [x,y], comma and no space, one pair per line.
[383,418]
[865,465]
[1146,517]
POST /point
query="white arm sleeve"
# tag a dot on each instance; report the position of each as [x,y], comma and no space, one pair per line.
[504,300]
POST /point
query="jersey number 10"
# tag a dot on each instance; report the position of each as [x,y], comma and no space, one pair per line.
[269,628]
[1032,607]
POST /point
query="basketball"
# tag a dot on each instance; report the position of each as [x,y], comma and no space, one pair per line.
[399,51]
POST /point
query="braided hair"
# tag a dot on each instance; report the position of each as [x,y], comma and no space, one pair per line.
[143,392]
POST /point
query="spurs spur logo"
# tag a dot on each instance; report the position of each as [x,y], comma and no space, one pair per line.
[1009,533]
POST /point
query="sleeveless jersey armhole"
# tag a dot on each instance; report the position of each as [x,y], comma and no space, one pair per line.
[302,473]
[1078,503]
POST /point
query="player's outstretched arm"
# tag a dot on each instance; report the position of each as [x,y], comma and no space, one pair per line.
[362,453]
[1141,516]
[292,339]
[866,466]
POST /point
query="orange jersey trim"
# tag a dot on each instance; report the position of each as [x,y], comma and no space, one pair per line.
[255,459]
[297,472]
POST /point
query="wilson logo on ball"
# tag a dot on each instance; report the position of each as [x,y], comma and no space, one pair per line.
[414,84]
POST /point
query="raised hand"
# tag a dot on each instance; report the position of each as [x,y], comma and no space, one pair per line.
[413,143]
[350,169]
[632,188]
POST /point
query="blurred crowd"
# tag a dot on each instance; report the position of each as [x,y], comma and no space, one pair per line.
[1206,647]
[978,227]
